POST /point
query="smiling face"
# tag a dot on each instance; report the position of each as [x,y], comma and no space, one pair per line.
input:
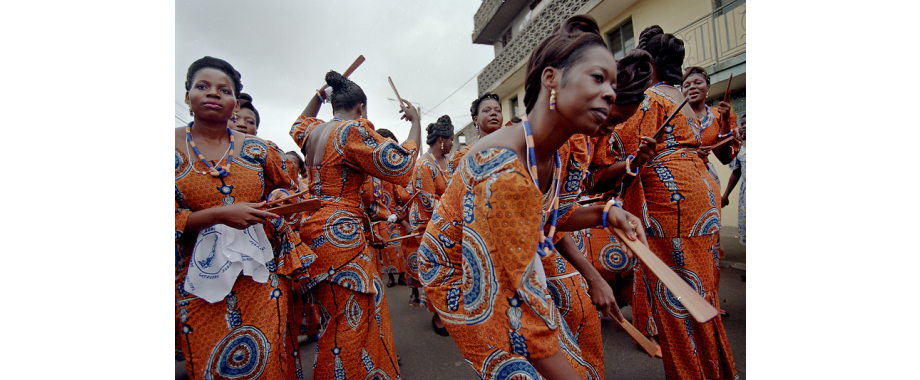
[245,121]
[489,119]
[695,88]
[586,90]
[211,95]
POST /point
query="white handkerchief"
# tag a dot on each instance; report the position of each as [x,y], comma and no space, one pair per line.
[538,267]
[220,254]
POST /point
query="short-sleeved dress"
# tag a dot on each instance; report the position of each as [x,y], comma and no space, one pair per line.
[245,335]
[428,183]
[677,200]
[357,341]
[477,263]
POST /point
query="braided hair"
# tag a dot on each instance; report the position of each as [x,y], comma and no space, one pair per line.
[246,102]
[666,50]
[561,49]
[634,76]
[442,128]
[345,93]
[214,63]
[474,108]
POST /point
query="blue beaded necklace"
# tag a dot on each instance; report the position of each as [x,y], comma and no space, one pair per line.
[218,171]
[545,246]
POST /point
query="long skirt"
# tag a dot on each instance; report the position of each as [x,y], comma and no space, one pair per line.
[244,336]
[570,294]
[690,350]
[357,338]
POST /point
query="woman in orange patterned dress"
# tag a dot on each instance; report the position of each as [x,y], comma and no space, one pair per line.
[480,256]
[428,183]
[246,333]
[358,339]
[696,87]
[677,198]
[486,112]
[391,255]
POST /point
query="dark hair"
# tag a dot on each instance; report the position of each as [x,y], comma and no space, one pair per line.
[695,70]
[345,93]
[634,76]
[515,120]
[214,63]
[298,160]
[442,128]
[246,102]
[386,133]
[561,49]
[474,108]
[667,51]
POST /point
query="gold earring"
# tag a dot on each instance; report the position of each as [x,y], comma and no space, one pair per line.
[552,99]
[442,145]
[190,113]
[234,118]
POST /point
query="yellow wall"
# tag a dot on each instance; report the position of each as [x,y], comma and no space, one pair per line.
[506,103]
[669,14]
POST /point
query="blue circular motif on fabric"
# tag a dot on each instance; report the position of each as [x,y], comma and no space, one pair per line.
[468,206]
[391,159]
[254,151]
[342,230]
[613,259]
[669,301]
[479,273]
[515,368]
[242,354]
[349,279]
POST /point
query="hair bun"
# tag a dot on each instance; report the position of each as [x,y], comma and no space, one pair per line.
[634,76]
[444,120]
[580,24]
[430,128]
[335,80]
[246,97]
[646,35]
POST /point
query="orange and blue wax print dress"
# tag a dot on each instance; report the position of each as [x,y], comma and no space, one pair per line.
[456,158]
[477,263]
[357,339]
[676,199]
[246,335]
[379,205]
[428,183]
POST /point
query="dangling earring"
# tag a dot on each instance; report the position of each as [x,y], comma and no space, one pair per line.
[478,132]
[442,145]
[190,113]
[552,99]
[234,118]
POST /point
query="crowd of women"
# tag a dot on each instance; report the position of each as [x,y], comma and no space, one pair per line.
[500,240]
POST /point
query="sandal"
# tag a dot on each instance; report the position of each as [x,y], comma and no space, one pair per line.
[413,299]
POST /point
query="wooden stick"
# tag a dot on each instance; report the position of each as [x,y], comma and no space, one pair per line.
[279,200]
[307,205]
[348,71]
[590,200]
[668,120]
[718,144]
[399,99]
[404,237]
[647,345]
[728,89]
[701,310]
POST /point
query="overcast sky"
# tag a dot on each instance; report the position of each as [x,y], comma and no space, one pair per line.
[283,49]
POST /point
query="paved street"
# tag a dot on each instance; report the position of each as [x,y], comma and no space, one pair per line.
[428,356]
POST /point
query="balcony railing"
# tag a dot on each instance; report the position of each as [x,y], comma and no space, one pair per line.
[716,37]
[522,44]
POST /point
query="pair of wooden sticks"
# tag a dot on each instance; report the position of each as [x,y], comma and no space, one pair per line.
[307,205]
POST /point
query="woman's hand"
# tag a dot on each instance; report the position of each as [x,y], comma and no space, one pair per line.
[603,299]
[645,152]
[401,214]
[243,215]
[410,113]
[630,224]
[724,201]
[724,109]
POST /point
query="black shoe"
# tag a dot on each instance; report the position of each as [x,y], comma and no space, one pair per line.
[440,331]
[391,284]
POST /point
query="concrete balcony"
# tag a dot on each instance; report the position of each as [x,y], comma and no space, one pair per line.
[493,17]
[516,53]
